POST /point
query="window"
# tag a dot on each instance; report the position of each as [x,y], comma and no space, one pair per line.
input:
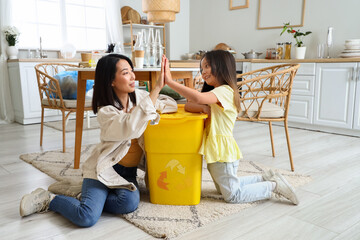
[79,22]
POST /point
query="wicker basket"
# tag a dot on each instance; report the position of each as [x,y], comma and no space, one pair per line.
[127,13]
[161,11]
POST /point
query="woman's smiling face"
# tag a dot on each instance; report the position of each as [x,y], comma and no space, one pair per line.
[124,81]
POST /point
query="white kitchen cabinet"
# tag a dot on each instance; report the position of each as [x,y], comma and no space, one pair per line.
[246,67]
[335,94]
[25,94]
[302,96]
[356,124]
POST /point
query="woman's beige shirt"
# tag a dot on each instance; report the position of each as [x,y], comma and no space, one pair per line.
[117,129]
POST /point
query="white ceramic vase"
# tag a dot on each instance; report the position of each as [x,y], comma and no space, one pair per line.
[12,52]
[300,52]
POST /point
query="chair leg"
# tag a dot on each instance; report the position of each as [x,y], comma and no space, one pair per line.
[288,144]
[272,140]
[63,129]
[42,126]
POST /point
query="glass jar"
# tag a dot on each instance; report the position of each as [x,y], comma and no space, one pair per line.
[288,50]
[269,53]
[279,50]
[274,54]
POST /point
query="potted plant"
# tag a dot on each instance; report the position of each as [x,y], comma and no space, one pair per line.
[11,36]
[300,48]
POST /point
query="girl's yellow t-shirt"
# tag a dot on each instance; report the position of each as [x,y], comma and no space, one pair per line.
[218,143]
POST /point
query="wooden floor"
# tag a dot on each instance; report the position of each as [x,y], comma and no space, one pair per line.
[329,205]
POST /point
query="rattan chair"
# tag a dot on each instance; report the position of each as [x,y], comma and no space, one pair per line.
[198,81]
[265,96]
[51,97]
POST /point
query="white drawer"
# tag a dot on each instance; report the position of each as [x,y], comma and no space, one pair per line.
[303,85]
[304,69]
[301,109]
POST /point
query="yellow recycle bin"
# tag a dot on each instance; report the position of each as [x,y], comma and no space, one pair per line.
[173,162]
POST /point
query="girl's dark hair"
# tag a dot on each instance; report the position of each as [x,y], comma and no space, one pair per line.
[104,75]
[223,68]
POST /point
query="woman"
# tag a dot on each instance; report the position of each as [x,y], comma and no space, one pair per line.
[109,184]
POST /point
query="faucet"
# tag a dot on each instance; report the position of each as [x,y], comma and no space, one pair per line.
[42,54]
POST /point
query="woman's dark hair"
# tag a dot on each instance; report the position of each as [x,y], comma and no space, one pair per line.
[223,68]
[104,75]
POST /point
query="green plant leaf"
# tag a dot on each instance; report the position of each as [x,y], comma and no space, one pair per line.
[284,29]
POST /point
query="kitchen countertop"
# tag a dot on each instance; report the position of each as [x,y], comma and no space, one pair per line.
[195,63]
[44,60]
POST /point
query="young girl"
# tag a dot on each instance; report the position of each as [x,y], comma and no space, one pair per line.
[219,147]
[109,184]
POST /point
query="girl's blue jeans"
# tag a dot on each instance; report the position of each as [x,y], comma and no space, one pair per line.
[236,189]
[96,198]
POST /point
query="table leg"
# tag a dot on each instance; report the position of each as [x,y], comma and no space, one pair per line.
[80,102]
[153,78]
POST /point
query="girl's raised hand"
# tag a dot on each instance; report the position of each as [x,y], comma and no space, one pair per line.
[160,83]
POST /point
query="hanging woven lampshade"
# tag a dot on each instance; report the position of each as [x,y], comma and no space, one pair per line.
[161,11]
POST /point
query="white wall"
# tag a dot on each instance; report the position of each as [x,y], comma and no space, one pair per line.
[179,32]
[201,24]
[212,22]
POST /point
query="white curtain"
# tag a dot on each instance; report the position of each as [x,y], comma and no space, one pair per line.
[113,22]
[6,108]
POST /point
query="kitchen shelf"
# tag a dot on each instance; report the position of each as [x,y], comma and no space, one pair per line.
[133,26]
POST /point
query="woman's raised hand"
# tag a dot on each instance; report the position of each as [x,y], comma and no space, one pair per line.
[165,68]
[160,83]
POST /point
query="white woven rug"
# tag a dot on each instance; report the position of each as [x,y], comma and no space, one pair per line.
[70,126]
[162,221]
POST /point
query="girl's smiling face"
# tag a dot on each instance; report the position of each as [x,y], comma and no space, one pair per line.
[124,81]
[206,73]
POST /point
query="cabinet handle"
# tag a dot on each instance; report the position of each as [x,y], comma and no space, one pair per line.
[358,74]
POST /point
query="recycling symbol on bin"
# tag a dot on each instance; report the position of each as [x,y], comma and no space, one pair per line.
[175,168]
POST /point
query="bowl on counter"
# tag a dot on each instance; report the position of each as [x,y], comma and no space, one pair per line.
[252,54]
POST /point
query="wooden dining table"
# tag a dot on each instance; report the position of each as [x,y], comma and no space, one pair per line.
[142,74]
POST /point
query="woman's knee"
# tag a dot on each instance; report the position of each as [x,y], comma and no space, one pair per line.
[133,202]
[87,219]
[127,203]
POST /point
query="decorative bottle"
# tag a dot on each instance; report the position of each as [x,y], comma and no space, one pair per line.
[159,48]
[150,49]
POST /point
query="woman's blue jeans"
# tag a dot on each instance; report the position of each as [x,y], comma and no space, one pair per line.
[96,198]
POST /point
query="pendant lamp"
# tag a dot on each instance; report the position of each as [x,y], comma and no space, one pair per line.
[161,11]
